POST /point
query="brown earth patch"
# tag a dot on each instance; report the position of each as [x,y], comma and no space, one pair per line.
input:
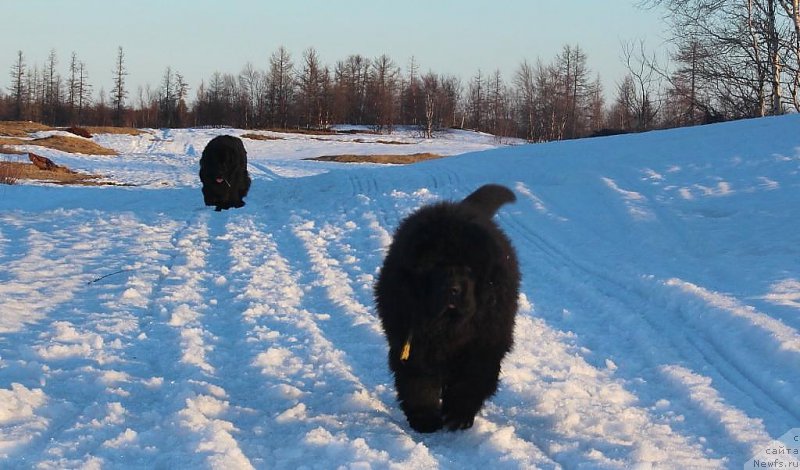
[21,128]
[384,159]
[61,142]
[260,137]
[387,142]
[303,131]
[115,130]
[12,172]
[320,131]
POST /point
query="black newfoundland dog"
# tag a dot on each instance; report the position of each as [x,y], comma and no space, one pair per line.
[223,172]
[447,297]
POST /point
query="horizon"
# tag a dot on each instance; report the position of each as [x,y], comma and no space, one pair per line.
[369,30]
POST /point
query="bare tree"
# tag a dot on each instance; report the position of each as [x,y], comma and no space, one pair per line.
[748,43]
[643,71]
[383,93]
[573,74]
[596,106]
[72,88]
[440,96]
[351,77]
[83,92]
[411,103]
[181,92]
[622,116]
[526,95]
[281,87]
[119,93]
[310,89]
[498,106]
[253,84]
[476,102]
[52,90]
[792,60]
[18,87]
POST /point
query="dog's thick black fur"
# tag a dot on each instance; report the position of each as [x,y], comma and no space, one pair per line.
[223,172]
[447,298]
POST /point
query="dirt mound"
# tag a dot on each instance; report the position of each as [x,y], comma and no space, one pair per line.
[385,159]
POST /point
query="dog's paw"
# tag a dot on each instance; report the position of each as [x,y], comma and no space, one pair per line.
[425,422]
[458,423]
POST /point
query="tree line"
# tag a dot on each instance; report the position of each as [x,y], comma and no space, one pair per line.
[731,59]
[542,101]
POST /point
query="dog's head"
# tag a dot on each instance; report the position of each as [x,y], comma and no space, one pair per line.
[222,158]
[449,290]
[218,169]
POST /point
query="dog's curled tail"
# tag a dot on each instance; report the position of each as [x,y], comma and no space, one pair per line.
[487,199]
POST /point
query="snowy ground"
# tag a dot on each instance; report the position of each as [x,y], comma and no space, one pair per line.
[659,328]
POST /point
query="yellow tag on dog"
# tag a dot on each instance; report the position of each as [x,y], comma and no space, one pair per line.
[406,352]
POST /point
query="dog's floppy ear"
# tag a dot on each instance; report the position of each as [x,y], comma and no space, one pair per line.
[487,199]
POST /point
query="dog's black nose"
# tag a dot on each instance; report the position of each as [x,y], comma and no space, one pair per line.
[455,290]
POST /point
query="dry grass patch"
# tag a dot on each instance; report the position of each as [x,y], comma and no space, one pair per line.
[260,137]
[9,172]
[386,142]
[303,131]
[12,172]
[73,145]
[21,128]
[63,143]
[115,130]
[384,159]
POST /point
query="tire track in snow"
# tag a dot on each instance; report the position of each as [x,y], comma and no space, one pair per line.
[607,327]
[188,306]
[316,407]
[54,351]
[83,347]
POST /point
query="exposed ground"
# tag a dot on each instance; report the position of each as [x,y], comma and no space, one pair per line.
[384,159]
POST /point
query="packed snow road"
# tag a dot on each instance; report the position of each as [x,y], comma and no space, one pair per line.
[658,323]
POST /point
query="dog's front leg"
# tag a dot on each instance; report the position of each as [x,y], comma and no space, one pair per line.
[466,390]
[420,399]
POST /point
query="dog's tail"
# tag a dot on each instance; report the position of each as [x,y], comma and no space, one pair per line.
[487,199]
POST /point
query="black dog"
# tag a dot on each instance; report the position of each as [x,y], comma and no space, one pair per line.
[447,297]
[223,172]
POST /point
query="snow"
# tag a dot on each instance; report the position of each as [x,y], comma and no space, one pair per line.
[658,328]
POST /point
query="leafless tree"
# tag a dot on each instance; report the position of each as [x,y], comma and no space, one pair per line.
[792,41]
[52,90]
[596,106]
[440,97]
[18,87]
[411,102]
[311,82]
[622,116]
[351,77]
[281,87]
[383,93]
[643,72]
[750,47]
[119,93]
[83,92]
[253,84]
[476,102]
[526,95]
[498,108]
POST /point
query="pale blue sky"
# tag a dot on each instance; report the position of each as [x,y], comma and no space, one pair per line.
[199,37]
